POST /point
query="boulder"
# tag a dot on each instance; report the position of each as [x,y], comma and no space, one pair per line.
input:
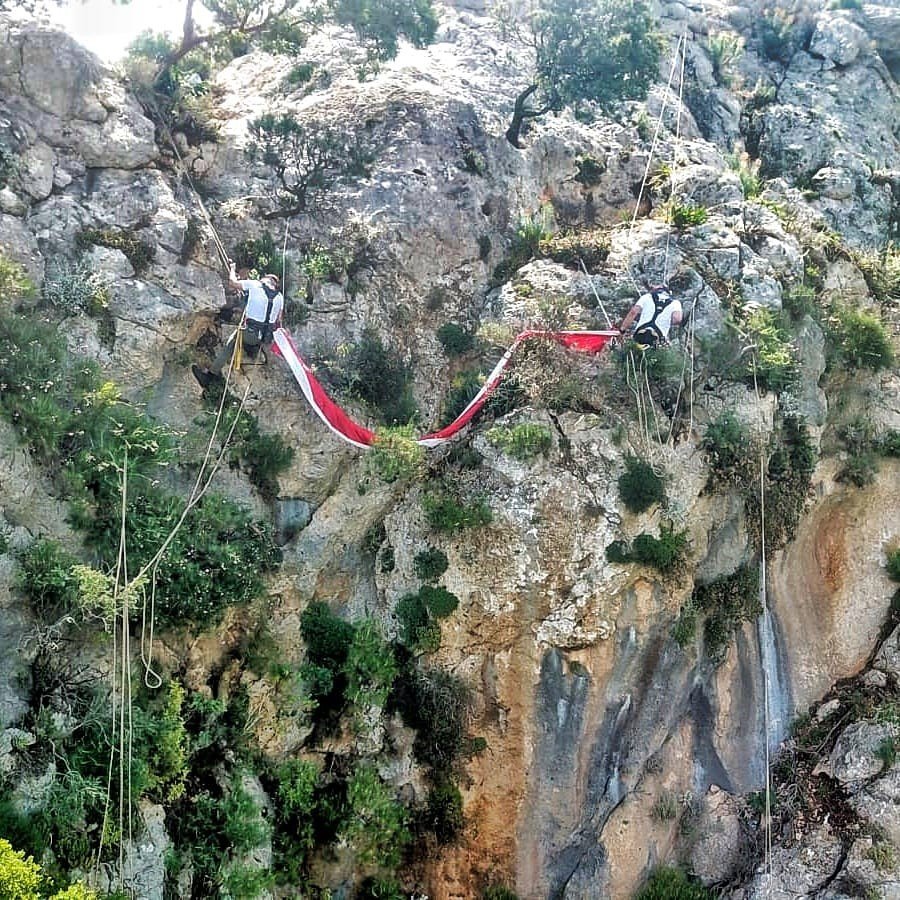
[838,39]
[855,760]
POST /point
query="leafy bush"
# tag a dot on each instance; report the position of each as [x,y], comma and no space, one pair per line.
[727,601]
[446,513]
[75,287]
[590,170]
[259,256]
[139,253]
[498,892]
[670,883]
[438,705]
[395,455]
[321,264]
[775,352]
[893,564]
[859,339]
[523,441]
[376,824]
[439,601]
[443,815]
[686,215]
[639,485]
[20,877]
[463,389]
[727,444]
[417,631]
[859,469]
[665,807]
[430,564]
[14,281]
[369,667]
[882,273]
[455,340]
[783,33]
[724,50]
[295,810]
[574,247]
[666,553]
[888,442]
[46,577]
[376,375]
[307,158]
[219,557]
[302,73]
[264,456]
[328,637]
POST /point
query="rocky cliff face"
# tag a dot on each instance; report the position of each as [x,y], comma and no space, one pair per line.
[611,747]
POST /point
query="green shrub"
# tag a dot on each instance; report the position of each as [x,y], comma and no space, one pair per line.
[727,601]
[320,264]
[446,513]
[859,340]
[888,442]
[893,564]
[14,281]
[417,630]
[859,469]
[887,752]
[376,375]
[438,705]
[375,888]
[301,73]
[75,287]
[463,389]
[685,628]
[264,456]
[376,824]
[369,666]
[443,815]
[498,892]
[328,637]
[724,50]
[474,161]
[686,215]
[775,352]
[639,485]
[667,553]
[799,301]
[665,807]
[219,557]
[522,442]
[571,248]
[46,577]
[882,273]
[590,170]
[727,445]
[670,883]
[395,455]
[439,601]
[20,876]
[455,340]
[259,256]
[139,253]
[430,564]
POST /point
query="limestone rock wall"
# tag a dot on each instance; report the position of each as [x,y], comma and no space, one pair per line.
[590,710]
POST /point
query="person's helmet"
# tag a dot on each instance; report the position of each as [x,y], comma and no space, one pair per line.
[273,280]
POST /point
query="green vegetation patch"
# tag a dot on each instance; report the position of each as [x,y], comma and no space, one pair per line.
[522,442]
[858,339]
[138,252]
[666,553]
[430,564]
[455,340]
[672,883]
[571,248]
[640,487]
[446,512]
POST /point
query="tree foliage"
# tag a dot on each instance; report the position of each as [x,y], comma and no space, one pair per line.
[586,50]
[307,158]
[380,24]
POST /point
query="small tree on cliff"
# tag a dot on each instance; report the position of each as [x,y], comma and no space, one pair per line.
[601,50]
[307,158]
[285,25]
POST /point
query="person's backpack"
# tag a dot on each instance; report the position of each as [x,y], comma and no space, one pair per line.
[649,332]
[267,332]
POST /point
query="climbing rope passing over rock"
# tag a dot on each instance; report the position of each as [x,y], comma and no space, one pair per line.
[360,436]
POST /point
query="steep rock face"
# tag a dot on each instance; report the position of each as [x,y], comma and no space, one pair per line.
[592,713]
